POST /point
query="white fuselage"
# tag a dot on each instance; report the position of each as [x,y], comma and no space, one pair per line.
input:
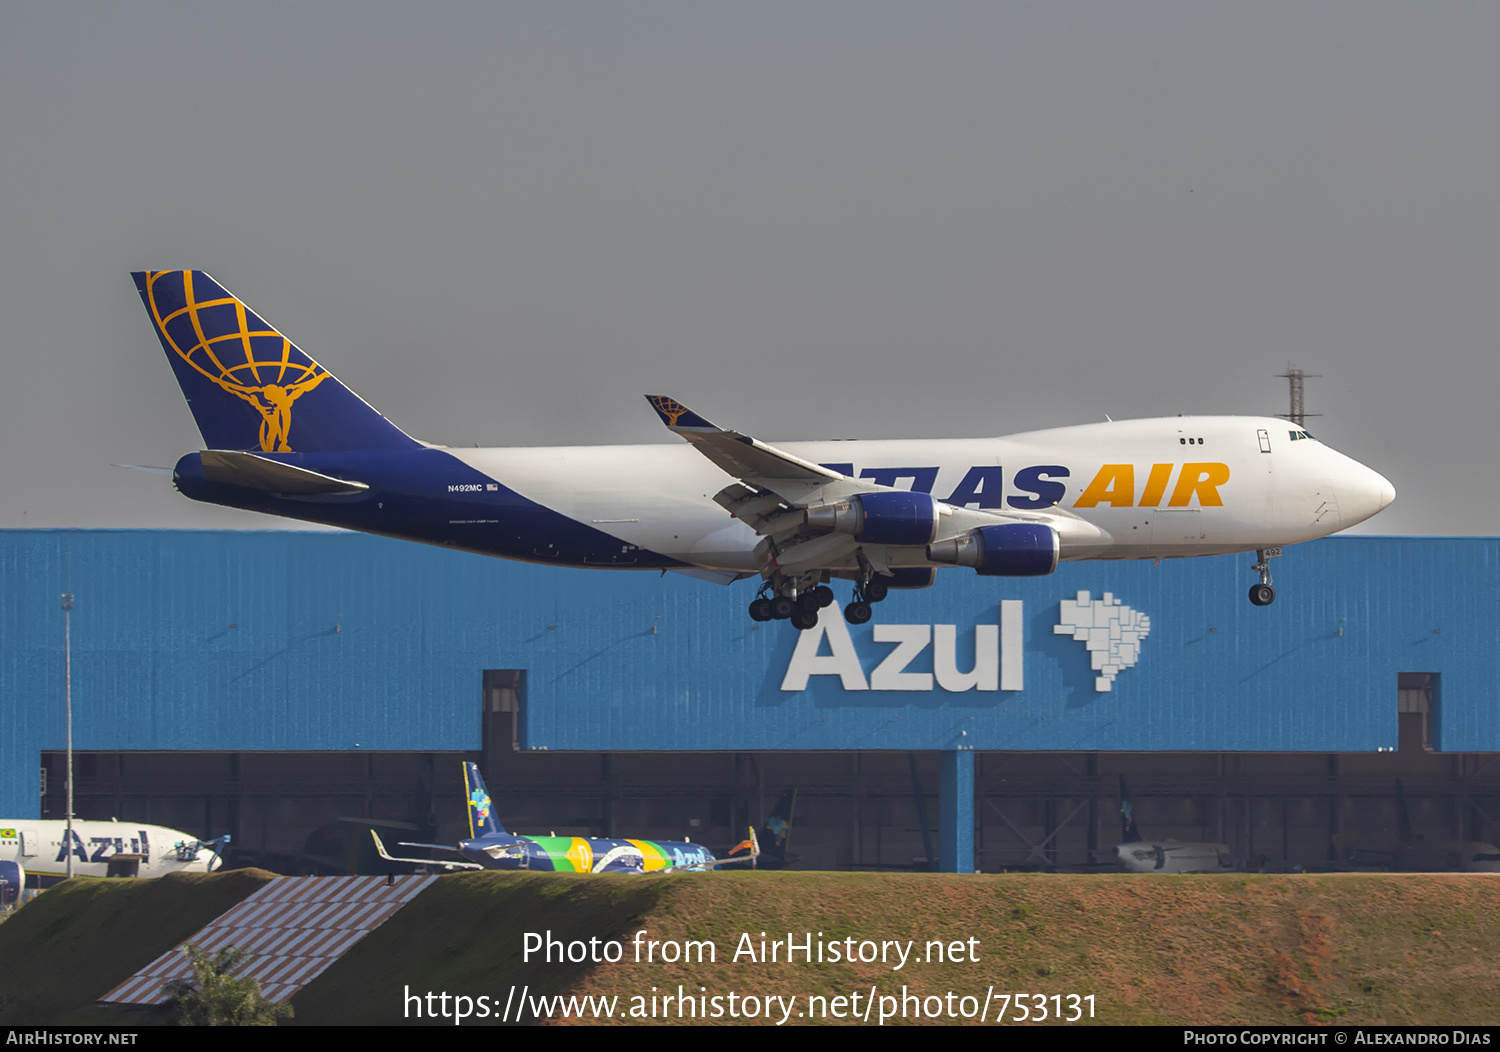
[1173,856]
[38,845]
[1178,486]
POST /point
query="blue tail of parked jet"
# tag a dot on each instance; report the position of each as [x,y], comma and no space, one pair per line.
[481,814]
[249,387]
[777,831]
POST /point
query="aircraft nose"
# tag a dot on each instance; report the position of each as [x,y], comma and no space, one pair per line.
[1375,492]
[1386,492]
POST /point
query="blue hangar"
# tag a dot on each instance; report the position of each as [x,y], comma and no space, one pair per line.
[286,682]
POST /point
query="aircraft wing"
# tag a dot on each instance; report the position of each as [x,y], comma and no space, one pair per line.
[738,455]
[795,504]
[774,484]
[380,850]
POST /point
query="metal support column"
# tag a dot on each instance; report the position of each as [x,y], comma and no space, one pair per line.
[956,812]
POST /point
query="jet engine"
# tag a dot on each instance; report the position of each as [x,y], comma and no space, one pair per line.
[897,517]
[1017,549]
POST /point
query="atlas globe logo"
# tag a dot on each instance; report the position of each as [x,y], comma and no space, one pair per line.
[250,361]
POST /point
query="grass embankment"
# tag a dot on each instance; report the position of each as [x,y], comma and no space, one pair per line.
[73,944]
[1211,949]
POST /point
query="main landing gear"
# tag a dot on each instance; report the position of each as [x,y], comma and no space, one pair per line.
[867,591]
[801,608]
[1263,594]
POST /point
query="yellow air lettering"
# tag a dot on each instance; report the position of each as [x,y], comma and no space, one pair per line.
[1114,485]
[1156,485]
[1201,480]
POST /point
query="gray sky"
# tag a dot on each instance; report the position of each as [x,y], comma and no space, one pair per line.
[504,223]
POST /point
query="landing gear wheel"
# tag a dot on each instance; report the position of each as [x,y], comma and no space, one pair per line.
[809,601]
[1263,594]
[875,591]
[782,607]
[857,613]
[804,619]
[824,595]
[760,610]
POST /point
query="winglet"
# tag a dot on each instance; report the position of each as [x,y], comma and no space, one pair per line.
[750,843]
[678,416]
[380,848]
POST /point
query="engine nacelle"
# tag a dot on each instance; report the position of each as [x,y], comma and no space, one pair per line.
[1017,549]
[897,517]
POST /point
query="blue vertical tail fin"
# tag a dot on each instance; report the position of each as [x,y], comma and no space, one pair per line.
[778,830]
[481,815]
[1129,834]
[249,387]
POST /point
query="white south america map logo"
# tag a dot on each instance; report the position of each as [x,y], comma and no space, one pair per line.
[1111,631]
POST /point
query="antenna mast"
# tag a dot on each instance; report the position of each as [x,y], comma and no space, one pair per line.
[1294,377]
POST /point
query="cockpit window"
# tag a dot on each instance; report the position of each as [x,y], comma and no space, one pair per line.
[1297,436]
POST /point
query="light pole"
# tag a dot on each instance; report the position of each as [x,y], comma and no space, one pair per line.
[67,605]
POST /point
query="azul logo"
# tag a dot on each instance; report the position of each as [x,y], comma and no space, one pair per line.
[479,800]
[1111,631]
[997,656]
[103,847]
[255,363]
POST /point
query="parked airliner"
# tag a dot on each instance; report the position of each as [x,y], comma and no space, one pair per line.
[489,846]
[1139,855]
[43,846]
[1414,853]
[284,437]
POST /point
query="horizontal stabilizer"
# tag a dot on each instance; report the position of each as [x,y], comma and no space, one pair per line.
[380,850]
[147,468]
[272,476]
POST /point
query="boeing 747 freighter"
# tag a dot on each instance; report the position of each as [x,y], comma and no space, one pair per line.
[282,436]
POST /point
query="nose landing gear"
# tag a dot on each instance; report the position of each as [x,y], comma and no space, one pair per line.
[1263,594]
